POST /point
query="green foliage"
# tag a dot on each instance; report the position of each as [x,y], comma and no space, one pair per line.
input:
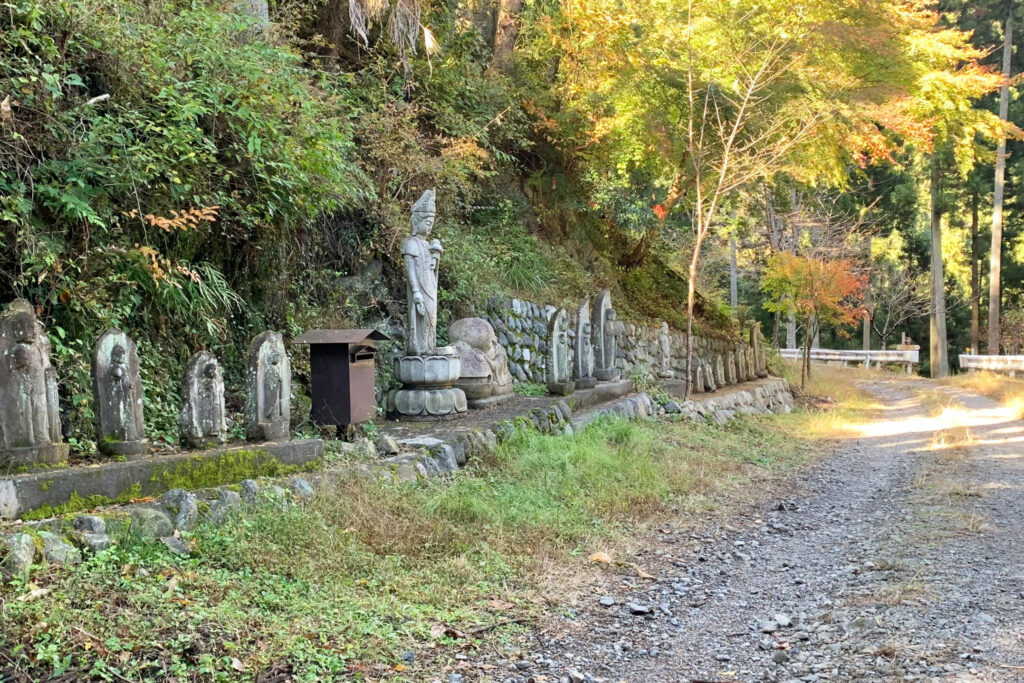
[530,389]
[275,583]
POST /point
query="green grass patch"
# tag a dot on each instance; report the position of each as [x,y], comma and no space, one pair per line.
[348,582]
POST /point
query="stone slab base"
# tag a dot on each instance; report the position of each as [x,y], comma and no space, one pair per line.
[129,449]
[585,383]
[35,456]
[62,490]
[487,401]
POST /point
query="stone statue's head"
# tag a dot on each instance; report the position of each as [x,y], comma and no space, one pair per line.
[612,315]
[117,355]
[23,325]
[210,370]
[274,357]
[423,212]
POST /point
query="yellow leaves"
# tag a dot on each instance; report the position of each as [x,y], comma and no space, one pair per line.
[180,220]
[600,558]
[160,268]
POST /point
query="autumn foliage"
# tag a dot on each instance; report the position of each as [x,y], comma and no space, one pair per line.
[818,291]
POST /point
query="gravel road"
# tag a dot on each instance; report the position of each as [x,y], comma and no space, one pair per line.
[898,558]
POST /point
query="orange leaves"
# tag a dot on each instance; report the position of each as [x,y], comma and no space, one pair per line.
[810,287]
[180,220]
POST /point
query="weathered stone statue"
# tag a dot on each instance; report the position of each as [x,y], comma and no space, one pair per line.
[665,352]
[605,328]
[559,375]
[202,421]
[427,372]
[697,386]
[117,387]
[583,361]
[268,384]
[730,368]
[757,344]
[29,408]
[485,377]
[709,376]
[421,266]
[719,370]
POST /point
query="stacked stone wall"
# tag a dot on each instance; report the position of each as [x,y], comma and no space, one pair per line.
[522,329]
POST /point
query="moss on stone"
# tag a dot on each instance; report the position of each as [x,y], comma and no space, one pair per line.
[231,466]
[76,502]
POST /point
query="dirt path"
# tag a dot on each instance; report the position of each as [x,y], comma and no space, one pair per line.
[901,557]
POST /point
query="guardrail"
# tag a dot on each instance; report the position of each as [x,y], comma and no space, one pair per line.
[908,357]
[1008,364]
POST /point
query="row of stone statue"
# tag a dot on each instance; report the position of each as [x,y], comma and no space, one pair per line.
[30,432]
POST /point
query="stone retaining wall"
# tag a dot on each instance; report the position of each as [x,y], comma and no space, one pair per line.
[521,328]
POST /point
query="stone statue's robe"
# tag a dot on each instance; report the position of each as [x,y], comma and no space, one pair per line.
[421,259]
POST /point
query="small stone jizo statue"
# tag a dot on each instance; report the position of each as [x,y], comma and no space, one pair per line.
[29,409]
[117,386]
[559,372]
[268,389]
[202,422]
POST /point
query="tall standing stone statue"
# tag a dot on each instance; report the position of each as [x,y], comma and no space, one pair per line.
[29,408]
[665,352]
[422,261]
[427,371]
[268,384]
[117,386]
[583,361]
[605,329]
[559,373]
[202,421]
[484,377]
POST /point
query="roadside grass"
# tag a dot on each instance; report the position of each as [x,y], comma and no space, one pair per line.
[834,400]
[342,586]
[1008,391]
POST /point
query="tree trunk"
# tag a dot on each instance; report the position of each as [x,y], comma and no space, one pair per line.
[866,333]
[805,366]
[505,33]
[791,331]
[937,336]
[776,324]
[733,276]
[975,278]
[691,299]
[996,257]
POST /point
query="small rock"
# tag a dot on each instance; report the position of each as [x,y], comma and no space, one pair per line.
[176,545]
[150,523]
[522,665]
[302,488]
[97,542]
[58,551]
[780,657]
[576,676]
[250,491]
[387,444]
[90,524]
[188,513]
[638,608]
[21,551]
[408,657]
[455,678]
[783,620]
[226,504]
[768,626]
[607,601]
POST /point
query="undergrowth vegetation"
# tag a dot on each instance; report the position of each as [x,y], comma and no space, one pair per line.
[327,588]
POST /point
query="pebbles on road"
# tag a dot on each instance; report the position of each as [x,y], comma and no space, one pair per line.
[865,577]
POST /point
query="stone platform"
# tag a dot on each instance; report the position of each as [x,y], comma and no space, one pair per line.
[517,406]
[74,488]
